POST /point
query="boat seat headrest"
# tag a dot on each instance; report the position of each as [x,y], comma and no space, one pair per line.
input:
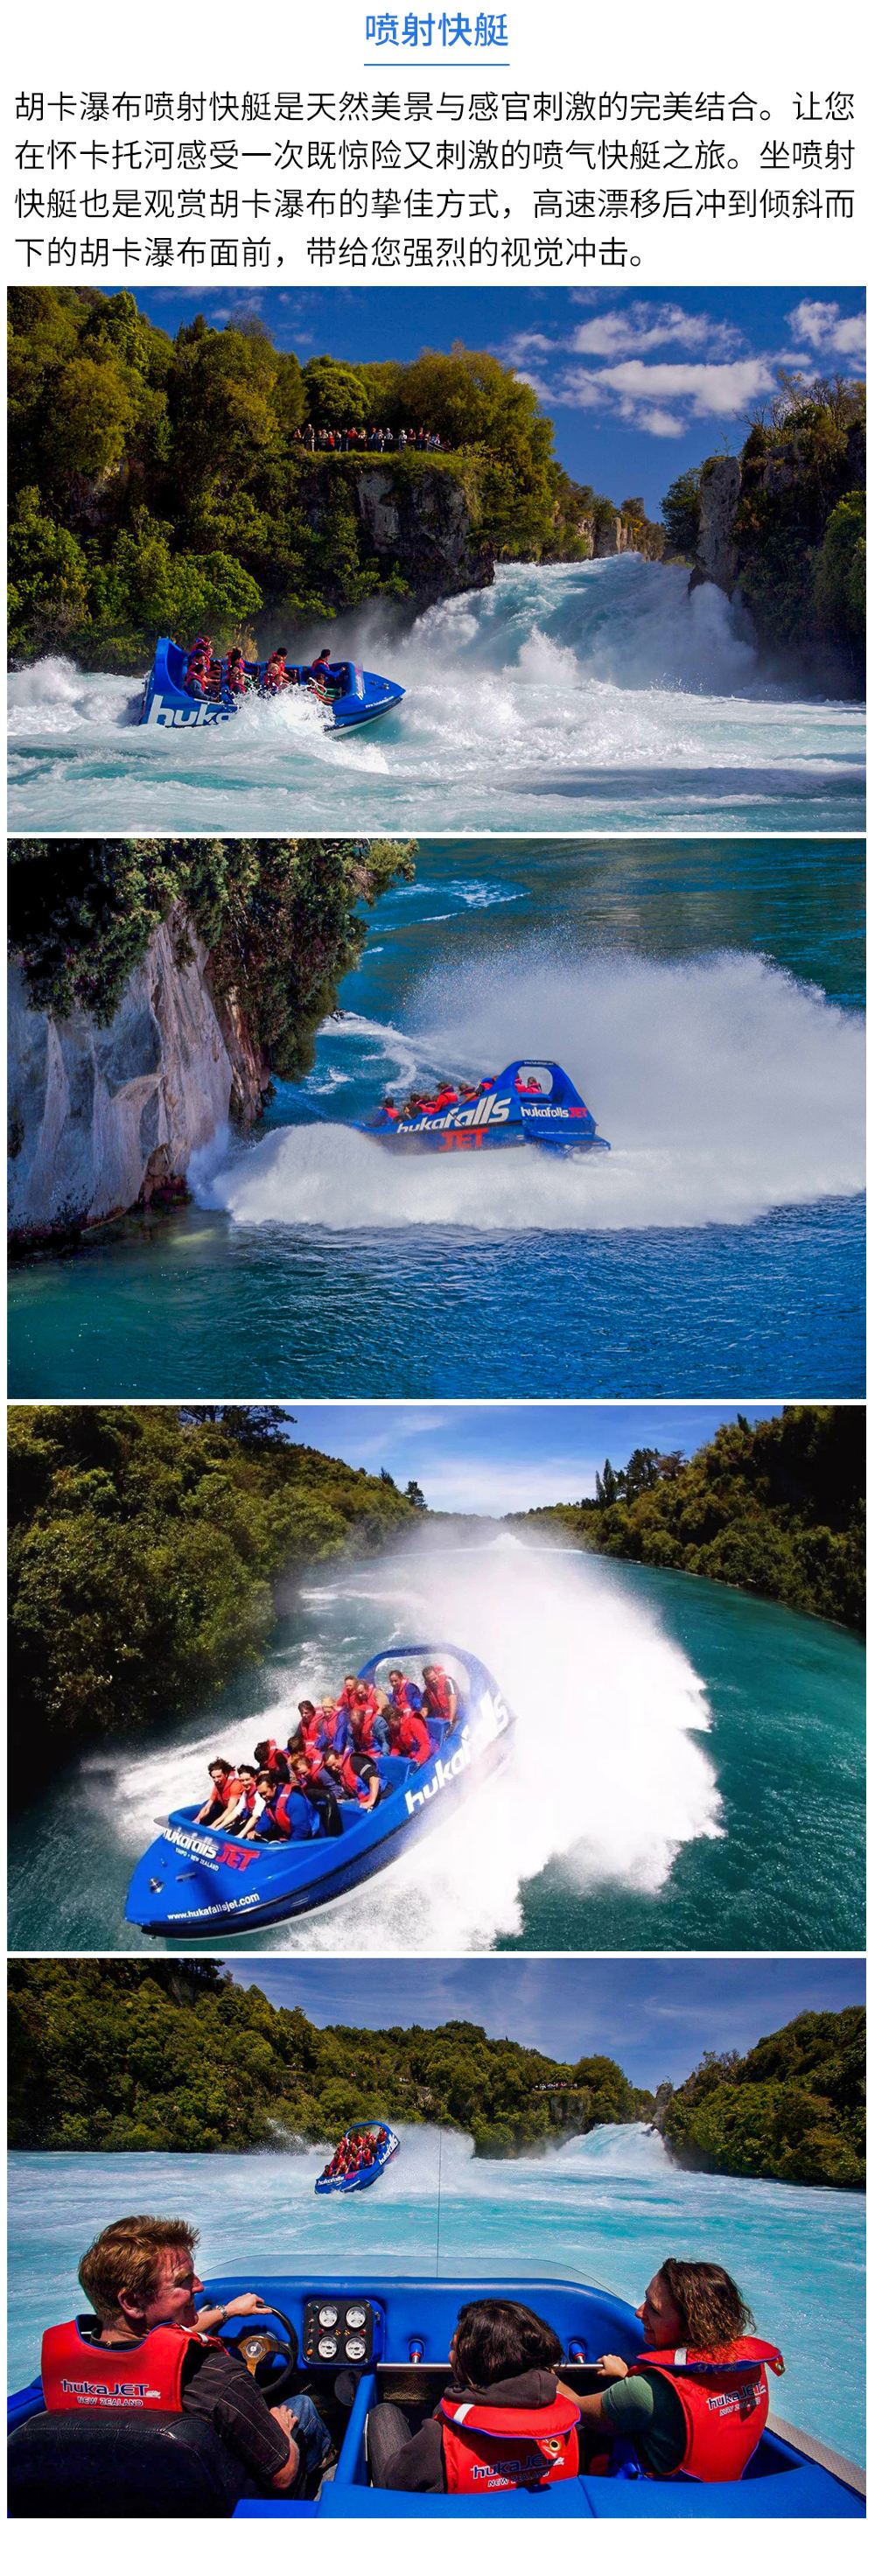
[78,2467]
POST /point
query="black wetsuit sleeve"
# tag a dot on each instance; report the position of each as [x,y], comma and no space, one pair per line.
[218,2387]
[418,2469]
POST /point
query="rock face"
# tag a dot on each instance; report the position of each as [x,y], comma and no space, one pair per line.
[422,524]
[717,553]
[106,1119]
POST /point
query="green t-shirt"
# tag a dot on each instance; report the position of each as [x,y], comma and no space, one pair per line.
[647,2411]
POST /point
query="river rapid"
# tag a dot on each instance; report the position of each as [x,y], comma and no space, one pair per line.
[571,697]
[606,2208]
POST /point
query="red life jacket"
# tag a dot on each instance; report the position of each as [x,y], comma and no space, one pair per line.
[230,1790]
[486,2447]
[356,1787]
[724,2404]
[249,1794]
[401,1700]
[411,1736]
[147,2376]
[277,1808]
[437,1694]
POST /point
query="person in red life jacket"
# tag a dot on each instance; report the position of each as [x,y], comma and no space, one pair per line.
[366,1709]
[148,2349]
[320,670]
[389,1109]
[408,1732]
[225,1793]
[318,1790]
[309,1736]
[356,1776]
[696,2398]
[247,1802]
[275,674]
[269,1756]
[197,676]
[235,673]
[440,1696]
[504,2420]
[286,1815]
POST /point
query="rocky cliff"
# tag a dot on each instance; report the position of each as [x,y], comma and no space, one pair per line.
[423,525]
[717,557]
[103,1119]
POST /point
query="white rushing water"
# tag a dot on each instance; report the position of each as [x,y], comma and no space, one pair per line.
[725,1087]
[564,696]
[609,1768]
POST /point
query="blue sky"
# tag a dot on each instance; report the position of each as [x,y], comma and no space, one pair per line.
[640,384]
[656,2016]
[499,1458]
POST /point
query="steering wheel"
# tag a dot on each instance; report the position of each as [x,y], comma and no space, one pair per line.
[259,2348]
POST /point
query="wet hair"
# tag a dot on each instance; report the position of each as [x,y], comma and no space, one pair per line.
[261,1752]
[499,2339]
[219,1764]
[708,2301]
[249,1768]
[309,1705]
[126,2258]
[272,1777]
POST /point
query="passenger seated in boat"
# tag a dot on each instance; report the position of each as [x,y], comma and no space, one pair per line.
[285,1815]
[235,673]
[440,1696]
[389,1108]
[309,1734]
[247,1802]
[503,2421]
[275,674]
[140,2280]
[530,1084]
[224,1795]
[316,1787]
[690,2311]
[269,1756]
[320,670]
[368,1719]
[197,676]
[356,1776]
[408,1732]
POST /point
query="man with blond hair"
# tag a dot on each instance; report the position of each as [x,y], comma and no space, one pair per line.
[148,2348]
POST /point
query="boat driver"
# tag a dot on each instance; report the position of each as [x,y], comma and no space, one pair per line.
[140,2278]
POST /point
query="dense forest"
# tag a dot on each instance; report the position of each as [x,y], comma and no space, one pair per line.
[280,920]
[776,1507]
[146,1548]
[175,2055]
[162,486]
[800,524]
[111,2054]
[793,2108]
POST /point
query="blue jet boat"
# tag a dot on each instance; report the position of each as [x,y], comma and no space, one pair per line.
[352,2338]
[355,697]
[386,2146]
[530,1103]
[194,1882]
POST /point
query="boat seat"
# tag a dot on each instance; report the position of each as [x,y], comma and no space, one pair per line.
[92,2468]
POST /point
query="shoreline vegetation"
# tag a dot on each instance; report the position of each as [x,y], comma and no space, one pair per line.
[167,486]
[174,2057]
[204,1519]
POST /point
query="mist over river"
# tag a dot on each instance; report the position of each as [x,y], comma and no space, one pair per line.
[606,2208]
[592,696]
[707,1001]
[686,1770]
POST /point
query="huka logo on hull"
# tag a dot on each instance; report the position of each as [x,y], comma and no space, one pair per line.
[489,1112]
[492,1718]
[196,1844]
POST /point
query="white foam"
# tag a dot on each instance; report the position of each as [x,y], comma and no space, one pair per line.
[725,1087]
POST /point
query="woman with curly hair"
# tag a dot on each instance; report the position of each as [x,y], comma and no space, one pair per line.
[696,2398]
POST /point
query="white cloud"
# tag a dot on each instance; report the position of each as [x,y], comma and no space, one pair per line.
[825,328]
[660,424]
[644,326]
[512,1485]
[713,392]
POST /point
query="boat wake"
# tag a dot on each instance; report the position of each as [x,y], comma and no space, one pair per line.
[726,1087]
[609,1771]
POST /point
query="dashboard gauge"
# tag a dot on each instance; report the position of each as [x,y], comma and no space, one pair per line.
[327,2347]
[356,2317]
[328,2316]
[355,2348]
